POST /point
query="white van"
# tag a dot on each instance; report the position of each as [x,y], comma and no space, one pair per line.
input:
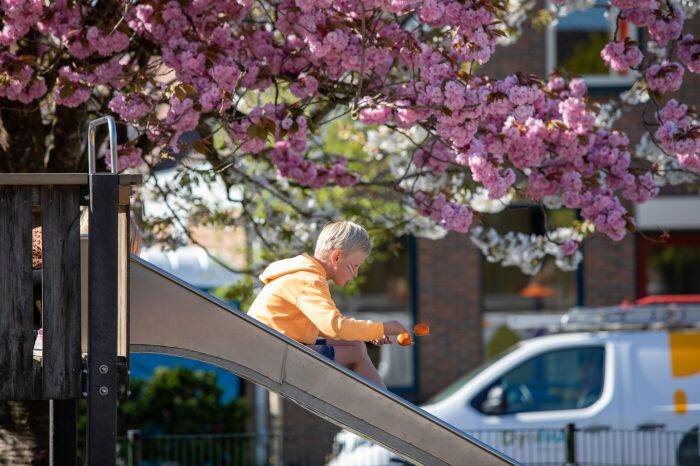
[633,395]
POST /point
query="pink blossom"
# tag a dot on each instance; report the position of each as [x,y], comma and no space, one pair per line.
[407,117]
[571,186]
[675,112]
[182,116]
[225,76]
[524,142]
[454,96]
[456,217]
[20,83]
[627,4]
[79,46]
[486,172]
[690,161]
[129,107]
[306,86]
[641,188]
[575,115]
[106,45]
[689,52]
[606,213]
[665,26]
[340,174]
[621,56]
[450,215]
[577,87]
[431,11]
[128,156]
[72,89]
[375,114]
[666,77]
[110,73]
[18,18]
[437,158]
[637,16]
[522,95]
[681,141]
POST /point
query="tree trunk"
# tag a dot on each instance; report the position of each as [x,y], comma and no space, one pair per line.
[24,433]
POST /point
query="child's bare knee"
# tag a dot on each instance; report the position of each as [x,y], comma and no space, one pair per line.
[360,346]
[359,351]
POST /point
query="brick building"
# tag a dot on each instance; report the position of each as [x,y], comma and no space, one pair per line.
[453,288]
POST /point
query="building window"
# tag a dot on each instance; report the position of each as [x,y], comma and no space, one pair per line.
[507,289]
[671,267]
[574,43]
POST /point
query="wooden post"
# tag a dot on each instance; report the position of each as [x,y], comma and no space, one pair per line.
[102,320]
[60,218]
[60,207]
[19,379]
[123,292]
[63,434]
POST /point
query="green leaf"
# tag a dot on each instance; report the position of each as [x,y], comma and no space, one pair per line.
[28,59]
[68,90]
[184,90]
[189,89]
[256,132]
[180,92]
[268,125]
[202,146]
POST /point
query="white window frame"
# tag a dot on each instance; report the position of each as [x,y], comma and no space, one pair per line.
[613,79]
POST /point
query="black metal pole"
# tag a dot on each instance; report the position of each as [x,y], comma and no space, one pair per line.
[134,438]
[102,321]
[63,435]
[570,432]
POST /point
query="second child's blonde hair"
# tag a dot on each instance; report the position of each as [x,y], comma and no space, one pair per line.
[135,235]
[344,235]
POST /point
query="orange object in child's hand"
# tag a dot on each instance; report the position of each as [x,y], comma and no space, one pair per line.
[421,329]
[404,339]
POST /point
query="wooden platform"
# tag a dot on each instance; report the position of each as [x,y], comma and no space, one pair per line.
[42,179]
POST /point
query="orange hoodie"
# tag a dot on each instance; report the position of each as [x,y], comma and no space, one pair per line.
[296,301]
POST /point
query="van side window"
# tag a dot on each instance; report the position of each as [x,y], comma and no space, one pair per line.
[569,378]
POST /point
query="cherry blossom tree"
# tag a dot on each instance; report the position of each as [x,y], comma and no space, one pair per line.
[247,94]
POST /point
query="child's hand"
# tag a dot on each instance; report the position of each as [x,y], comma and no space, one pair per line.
[385,340]
[394,327]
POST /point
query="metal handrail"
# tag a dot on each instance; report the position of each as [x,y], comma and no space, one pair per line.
[92,128]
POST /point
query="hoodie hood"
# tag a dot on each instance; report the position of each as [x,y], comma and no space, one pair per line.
[301,263]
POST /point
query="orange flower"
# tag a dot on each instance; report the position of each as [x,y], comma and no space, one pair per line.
[404,339]
[421,329]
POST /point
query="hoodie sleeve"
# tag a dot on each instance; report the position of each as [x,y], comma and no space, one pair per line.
[316,303]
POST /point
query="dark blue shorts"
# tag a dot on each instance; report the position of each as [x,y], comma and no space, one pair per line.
[323,348]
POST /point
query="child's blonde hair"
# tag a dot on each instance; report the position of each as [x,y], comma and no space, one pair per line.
[344,235]
[135,235]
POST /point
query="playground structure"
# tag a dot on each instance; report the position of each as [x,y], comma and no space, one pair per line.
[124,304]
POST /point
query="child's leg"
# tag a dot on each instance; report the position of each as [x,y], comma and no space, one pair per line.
[353,355]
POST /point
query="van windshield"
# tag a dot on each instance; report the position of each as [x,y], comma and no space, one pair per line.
[459,383]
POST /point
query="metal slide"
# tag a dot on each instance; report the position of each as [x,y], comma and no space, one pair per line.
[167,316]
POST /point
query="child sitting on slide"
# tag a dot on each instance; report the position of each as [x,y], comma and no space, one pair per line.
[296,300]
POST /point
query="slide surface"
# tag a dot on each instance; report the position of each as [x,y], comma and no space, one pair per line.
[168,316]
